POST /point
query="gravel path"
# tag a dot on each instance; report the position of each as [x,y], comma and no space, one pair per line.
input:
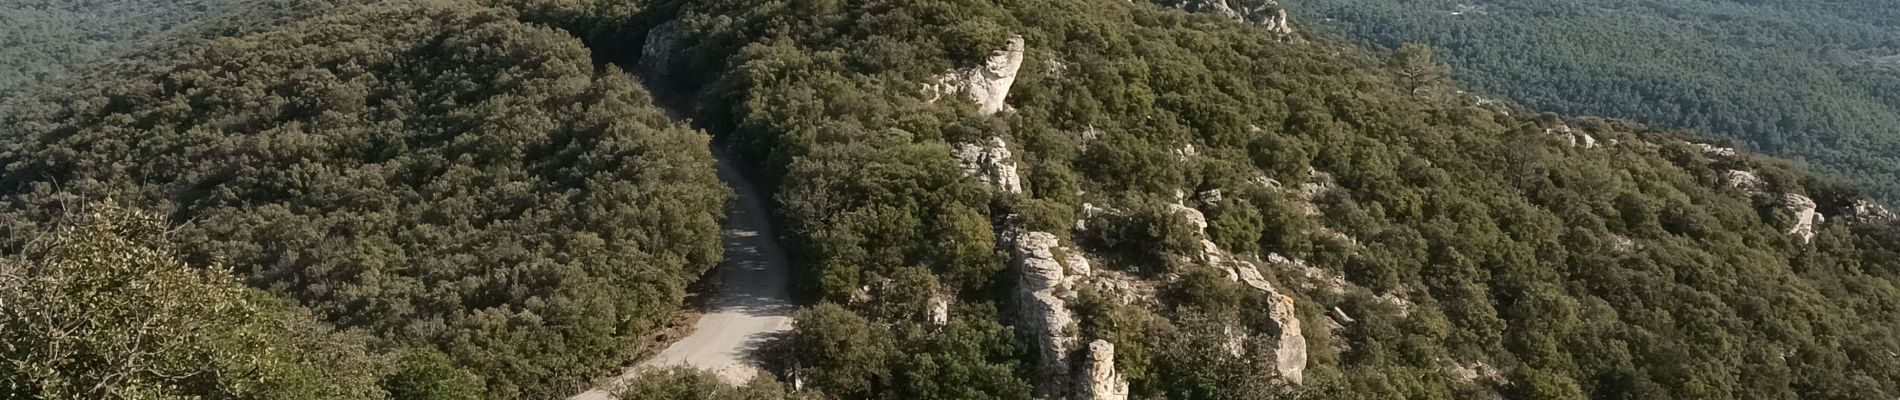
[751,303]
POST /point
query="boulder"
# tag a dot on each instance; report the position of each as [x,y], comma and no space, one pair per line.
[1194,217]
[988,84]
[1572,137]
[656,54]
[1713,151]
[990,162]
[1748,182]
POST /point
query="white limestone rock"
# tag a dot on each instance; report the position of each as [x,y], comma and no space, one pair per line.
[1210,197]
[1713,151]
[1100,380]
[1748,182]
[988,84]
[1805,215]
[1267,14]
[1868,211]
[1268,183]
[1478,371]
[1125,289]
[1572,137]
[1287,341]
[991,162]
[1194,217]
[1289,345]
[1044,315]
[1078,264]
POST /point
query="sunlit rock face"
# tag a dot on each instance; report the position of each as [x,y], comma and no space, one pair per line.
[987,85]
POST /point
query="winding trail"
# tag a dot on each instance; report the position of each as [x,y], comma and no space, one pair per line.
[752,300]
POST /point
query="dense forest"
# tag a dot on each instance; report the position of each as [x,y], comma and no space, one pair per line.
[1806,80]
[71,330]
[41,39]
[467,188]
[984,200]
[1453,249]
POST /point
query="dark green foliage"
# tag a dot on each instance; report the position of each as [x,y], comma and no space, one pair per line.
[1811,82]
[435,173]
[452,179]
[100,308]
[43,39]
[689,384]
[426,374]
[1464,236]
[1148,234]
[843,355]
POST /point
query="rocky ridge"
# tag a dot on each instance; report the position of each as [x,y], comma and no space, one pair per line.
[1807,215]
[1288,342]
[1266,14]
[1046,270]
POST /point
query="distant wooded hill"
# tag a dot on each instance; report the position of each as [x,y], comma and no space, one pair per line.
[1807,80]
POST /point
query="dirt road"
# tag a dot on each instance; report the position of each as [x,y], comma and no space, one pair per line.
[751,302]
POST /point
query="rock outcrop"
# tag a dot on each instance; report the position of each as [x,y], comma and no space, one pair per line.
[1714,151]
[1868,211]
[1266,14]
[1747,182]
[991,162]
[1289,344]
[939,309]
[1572,137]
[1100,380]
[1041,307]
[1805,215]
[988,84]
[1289,349]
[657,52]
[1194,217]
[1478,371]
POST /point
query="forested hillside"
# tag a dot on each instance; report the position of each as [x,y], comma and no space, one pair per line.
[505,218]
[42,39]
[1102,200]
[1807,80]
[1239,212]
